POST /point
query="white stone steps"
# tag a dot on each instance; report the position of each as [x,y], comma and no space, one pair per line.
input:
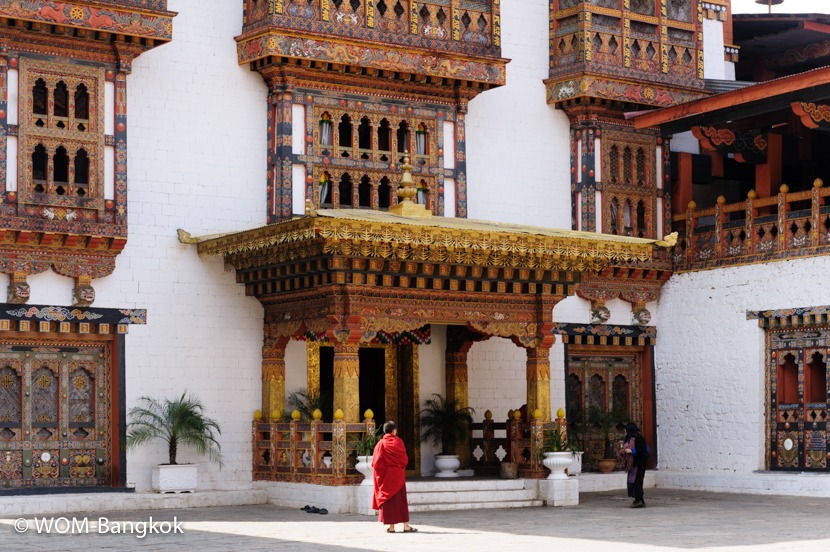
[470,496]
[475,505]
[447,485]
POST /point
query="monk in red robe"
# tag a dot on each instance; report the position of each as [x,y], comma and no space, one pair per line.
[389,471]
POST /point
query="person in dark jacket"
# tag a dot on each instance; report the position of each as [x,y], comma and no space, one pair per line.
[636,457]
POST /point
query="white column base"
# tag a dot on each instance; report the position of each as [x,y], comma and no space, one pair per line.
[559,492]
[364,500]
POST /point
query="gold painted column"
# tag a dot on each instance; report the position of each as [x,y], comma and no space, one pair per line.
[273,380]
[346,381]
[538,382]
[456,376]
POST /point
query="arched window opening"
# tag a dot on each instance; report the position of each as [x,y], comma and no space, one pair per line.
[614,164]
[325,189]
[364,193]
[817,380]
[61,105]
[627,161]
[61,162]
[40,99]
[384,193]
[81,173]
[11,386]
[641,219]
[627,217]
[641,167]
[44,403]
[81,108]
[346,191]
[364,138]
[403,139]
[421,198]
[574,397]
[345,136]
[384,140]
[596,392]
[615,216]
[421,144]
[40,162]
[619,393]
[788,381]
[325,130]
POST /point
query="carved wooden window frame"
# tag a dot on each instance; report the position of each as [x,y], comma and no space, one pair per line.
[51,137]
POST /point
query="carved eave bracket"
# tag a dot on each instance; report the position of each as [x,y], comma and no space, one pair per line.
[746,146]
[813,116]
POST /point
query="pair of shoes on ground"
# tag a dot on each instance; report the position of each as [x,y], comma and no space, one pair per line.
[410,530]
[314,510]
[638,504]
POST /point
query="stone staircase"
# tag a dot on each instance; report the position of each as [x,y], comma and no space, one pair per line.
[470,494]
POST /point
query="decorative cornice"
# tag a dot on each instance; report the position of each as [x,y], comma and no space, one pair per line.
[569,88]
[385,58]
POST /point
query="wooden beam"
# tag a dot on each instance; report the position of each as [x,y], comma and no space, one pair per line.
[682,189]
[734,98]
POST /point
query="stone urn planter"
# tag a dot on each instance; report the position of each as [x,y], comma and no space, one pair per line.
[606,465]
[556,462]
[446,464]
[364,466]
[576,464]
[179,478]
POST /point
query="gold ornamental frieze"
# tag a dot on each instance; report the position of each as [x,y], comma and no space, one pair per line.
[383,236]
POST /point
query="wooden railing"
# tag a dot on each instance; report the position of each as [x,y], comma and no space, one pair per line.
[522,442]
[308,452]
[756,230]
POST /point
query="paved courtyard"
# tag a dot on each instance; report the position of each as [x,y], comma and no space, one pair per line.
[674,520]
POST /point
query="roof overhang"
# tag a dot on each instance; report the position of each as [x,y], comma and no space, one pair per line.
[812,86]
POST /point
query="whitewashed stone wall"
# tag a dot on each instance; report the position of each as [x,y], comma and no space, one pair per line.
[518,161]
[710,361]
[431,380]
[196,161]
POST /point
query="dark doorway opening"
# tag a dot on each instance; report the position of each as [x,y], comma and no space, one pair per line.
[373,382]
[327,372]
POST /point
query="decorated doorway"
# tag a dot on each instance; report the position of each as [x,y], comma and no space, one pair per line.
[59,414]
[797,413]
[606,380]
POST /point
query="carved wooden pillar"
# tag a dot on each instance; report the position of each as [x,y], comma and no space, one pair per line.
[456,376]
[273,378]
[375,198]
[346,381]
[538,381]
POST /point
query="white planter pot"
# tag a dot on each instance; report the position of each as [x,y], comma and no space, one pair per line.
[364,466]
[446,464]
[556,462]
[175,479]
[576,465]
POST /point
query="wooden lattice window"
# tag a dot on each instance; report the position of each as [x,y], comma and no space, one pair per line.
[596,392]
[574,396]
[11,387]
[614,165]
[641,167]
[44,402]
[619,393]
[627,165]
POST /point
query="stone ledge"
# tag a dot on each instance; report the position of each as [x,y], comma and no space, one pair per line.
[764,483]
[115,502]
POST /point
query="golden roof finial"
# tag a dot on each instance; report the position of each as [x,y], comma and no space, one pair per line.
[406,191]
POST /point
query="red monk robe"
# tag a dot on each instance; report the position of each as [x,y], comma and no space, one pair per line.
[389,464]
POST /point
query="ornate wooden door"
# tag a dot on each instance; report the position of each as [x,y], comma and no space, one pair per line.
[55,414]
[609,381]
[798,396]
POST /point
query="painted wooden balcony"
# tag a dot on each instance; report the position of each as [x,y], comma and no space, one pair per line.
[785,226]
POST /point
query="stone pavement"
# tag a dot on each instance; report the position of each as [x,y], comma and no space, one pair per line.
[674,520]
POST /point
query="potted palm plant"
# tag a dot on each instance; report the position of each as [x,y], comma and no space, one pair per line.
[558,454]
[606,421]
[180,421]
[365,447]
[445,423]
